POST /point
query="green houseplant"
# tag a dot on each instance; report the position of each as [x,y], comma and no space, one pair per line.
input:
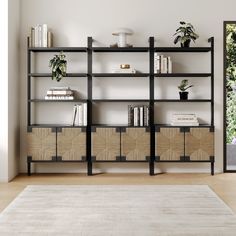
[58,64]
[183,87]
[185,33]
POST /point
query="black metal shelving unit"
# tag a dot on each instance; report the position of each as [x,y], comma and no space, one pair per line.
[151,101]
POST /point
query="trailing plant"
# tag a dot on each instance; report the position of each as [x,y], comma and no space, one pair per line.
[184,85]
[58,64]
[185,33]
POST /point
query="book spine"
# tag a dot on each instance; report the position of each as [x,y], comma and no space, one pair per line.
[130,115]
[79,114]
[157,63]
[141,116]
[74,115]
[169,65]
[40,36]
[58,97]
[85,114]
[57,92]
[145,115]
[148,114]
[50,39]
[135,116]
[164,65]
[36,39]
[44,35]
[32,35]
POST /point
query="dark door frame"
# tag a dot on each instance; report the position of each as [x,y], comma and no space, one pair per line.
[224,92]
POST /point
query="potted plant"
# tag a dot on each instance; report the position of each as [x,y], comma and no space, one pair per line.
[185,33]
[183,94]
[58,64]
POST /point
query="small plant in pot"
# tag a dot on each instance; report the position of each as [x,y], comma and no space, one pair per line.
[58,64]
[183,94]
[185,33]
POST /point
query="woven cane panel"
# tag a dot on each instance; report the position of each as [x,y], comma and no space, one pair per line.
[135,144]
[41,144]
[169,144]
[199,144]
[105,144]
[71,144]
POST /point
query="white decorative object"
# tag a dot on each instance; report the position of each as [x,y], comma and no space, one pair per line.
[122,36]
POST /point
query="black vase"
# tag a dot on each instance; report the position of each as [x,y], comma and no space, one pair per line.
[186,44]
[183,95]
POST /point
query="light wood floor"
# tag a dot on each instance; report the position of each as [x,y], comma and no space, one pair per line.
[223,184]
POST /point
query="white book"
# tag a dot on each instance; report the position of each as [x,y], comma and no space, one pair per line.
[185,124]
[162,63]
[135,116]
[80,114]
[141,116]
[60,88]
[132,71]
[40,29]
[36,36]
[74,114]
[85,114]
[32,34]
[184,116]
[157,64]
[169,65]
[164,67]
[44,35]
[59,92]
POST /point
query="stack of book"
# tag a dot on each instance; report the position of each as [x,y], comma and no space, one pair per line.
[79,117]
[138,115]
[60,93]
[184,120]
[40,36]
[162,64]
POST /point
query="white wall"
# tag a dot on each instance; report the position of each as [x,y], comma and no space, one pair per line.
[13,87]
[4,92]
[9,96]
[72,21]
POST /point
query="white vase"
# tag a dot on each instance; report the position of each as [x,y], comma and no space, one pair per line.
[122,40]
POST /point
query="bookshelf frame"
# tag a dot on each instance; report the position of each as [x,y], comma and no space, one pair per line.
[151,101]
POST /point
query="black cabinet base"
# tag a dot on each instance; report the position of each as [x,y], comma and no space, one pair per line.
[90,165]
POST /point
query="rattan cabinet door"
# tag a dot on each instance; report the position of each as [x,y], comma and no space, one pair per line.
[41,144]
[135,144]
[169,143]
[71,144]
[105,144]
[199,143]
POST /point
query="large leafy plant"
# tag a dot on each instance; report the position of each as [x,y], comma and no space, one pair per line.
[184,85]
[58,64]
[185,32]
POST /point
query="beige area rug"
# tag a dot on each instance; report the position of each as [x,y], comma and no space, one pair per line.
[107,210]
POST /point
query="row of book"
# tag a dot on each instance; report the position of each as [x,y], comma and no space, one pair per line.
[40,36]
[162,64]
[79,117]
[138,115]
[60,93]
[181,119]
